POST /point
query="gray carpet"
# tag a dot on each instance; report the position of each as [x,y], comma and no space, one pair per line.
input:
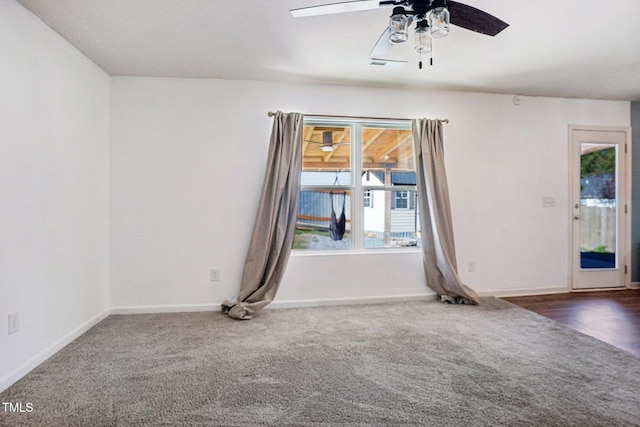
[404,364]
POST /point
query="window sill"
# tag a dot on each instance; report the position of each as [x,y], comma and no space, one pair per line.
[348,252]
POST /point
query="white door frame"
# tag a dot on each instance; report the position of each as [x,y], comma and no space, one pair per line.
[624,248]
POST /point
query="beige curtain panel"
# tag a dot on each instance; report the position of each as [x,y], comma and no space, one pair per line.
[438,249]
[275,223]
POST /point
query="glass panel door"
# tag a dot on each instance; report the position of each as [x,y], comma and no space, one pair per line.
[600,249]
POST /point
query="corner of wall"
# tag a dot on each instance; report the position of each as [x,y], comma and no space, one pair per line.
[635,193]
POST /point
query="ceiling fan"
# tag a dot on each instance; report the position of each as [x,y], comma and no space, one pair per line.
[327,142]
[432,18]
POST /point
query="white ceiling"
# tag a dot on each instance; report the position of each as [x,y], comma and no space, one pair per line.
[566,48]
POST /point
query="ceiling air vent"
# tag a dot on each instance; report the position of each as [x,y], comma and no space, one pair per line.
[387,62]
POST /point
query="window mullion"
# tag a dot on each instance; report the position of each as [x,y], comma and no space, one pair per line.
[357,205]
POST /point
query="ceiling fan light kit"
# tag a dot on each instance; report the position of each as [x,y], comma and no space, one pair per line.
[399,26]
[439,20]
[423,38]
[433,20]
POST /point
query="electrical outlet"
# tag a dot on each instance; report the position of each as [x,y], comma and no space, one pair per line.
[471,266]
[14,323]
[215,275]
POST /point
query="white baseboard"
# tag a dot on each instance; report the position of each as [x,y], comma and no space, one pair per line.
[634,285]
[278,304]
[34,362]
[524,292]
[174,308]
[350,301]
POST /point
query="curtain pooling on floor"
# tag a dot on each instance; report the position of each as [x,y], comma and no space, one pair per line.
[275,222]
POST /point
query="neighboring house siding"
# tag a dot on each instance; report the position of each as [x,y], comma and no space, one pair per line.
[403,220]
[374,216]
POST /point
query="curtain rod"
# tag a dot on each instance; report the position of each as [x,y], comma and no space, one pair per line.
[271,114]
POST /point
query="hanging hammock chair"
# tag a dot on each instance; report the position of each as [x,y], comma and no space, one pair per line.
[337,226]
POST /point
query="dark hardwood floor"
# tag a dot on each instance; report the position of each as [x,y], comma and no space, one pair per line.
[610,316]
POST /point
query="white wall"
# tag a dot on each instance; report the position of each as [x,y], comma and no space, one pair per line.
[187,163]
[54,139]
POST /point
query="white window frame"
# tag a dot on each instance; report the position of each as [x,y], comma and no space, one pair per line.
[356,187]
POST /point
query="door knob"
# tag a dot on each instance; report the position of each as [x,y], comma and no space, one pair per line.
[577,217]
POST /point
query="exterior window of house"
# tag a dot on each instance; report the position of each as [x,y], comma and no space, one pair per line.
[401,200]
[358,186]
[368,202]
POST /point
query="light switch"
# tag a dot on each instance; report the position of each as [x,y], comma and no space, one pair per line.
[548,202]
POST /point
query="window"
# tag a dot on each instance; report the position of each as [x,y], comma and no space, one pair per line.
[368,201]
[401,200]
[363,173]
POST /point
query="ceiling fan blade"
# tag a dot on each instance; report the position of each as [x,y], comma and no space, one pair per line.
[382,45]
[474,19]
[327,9]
